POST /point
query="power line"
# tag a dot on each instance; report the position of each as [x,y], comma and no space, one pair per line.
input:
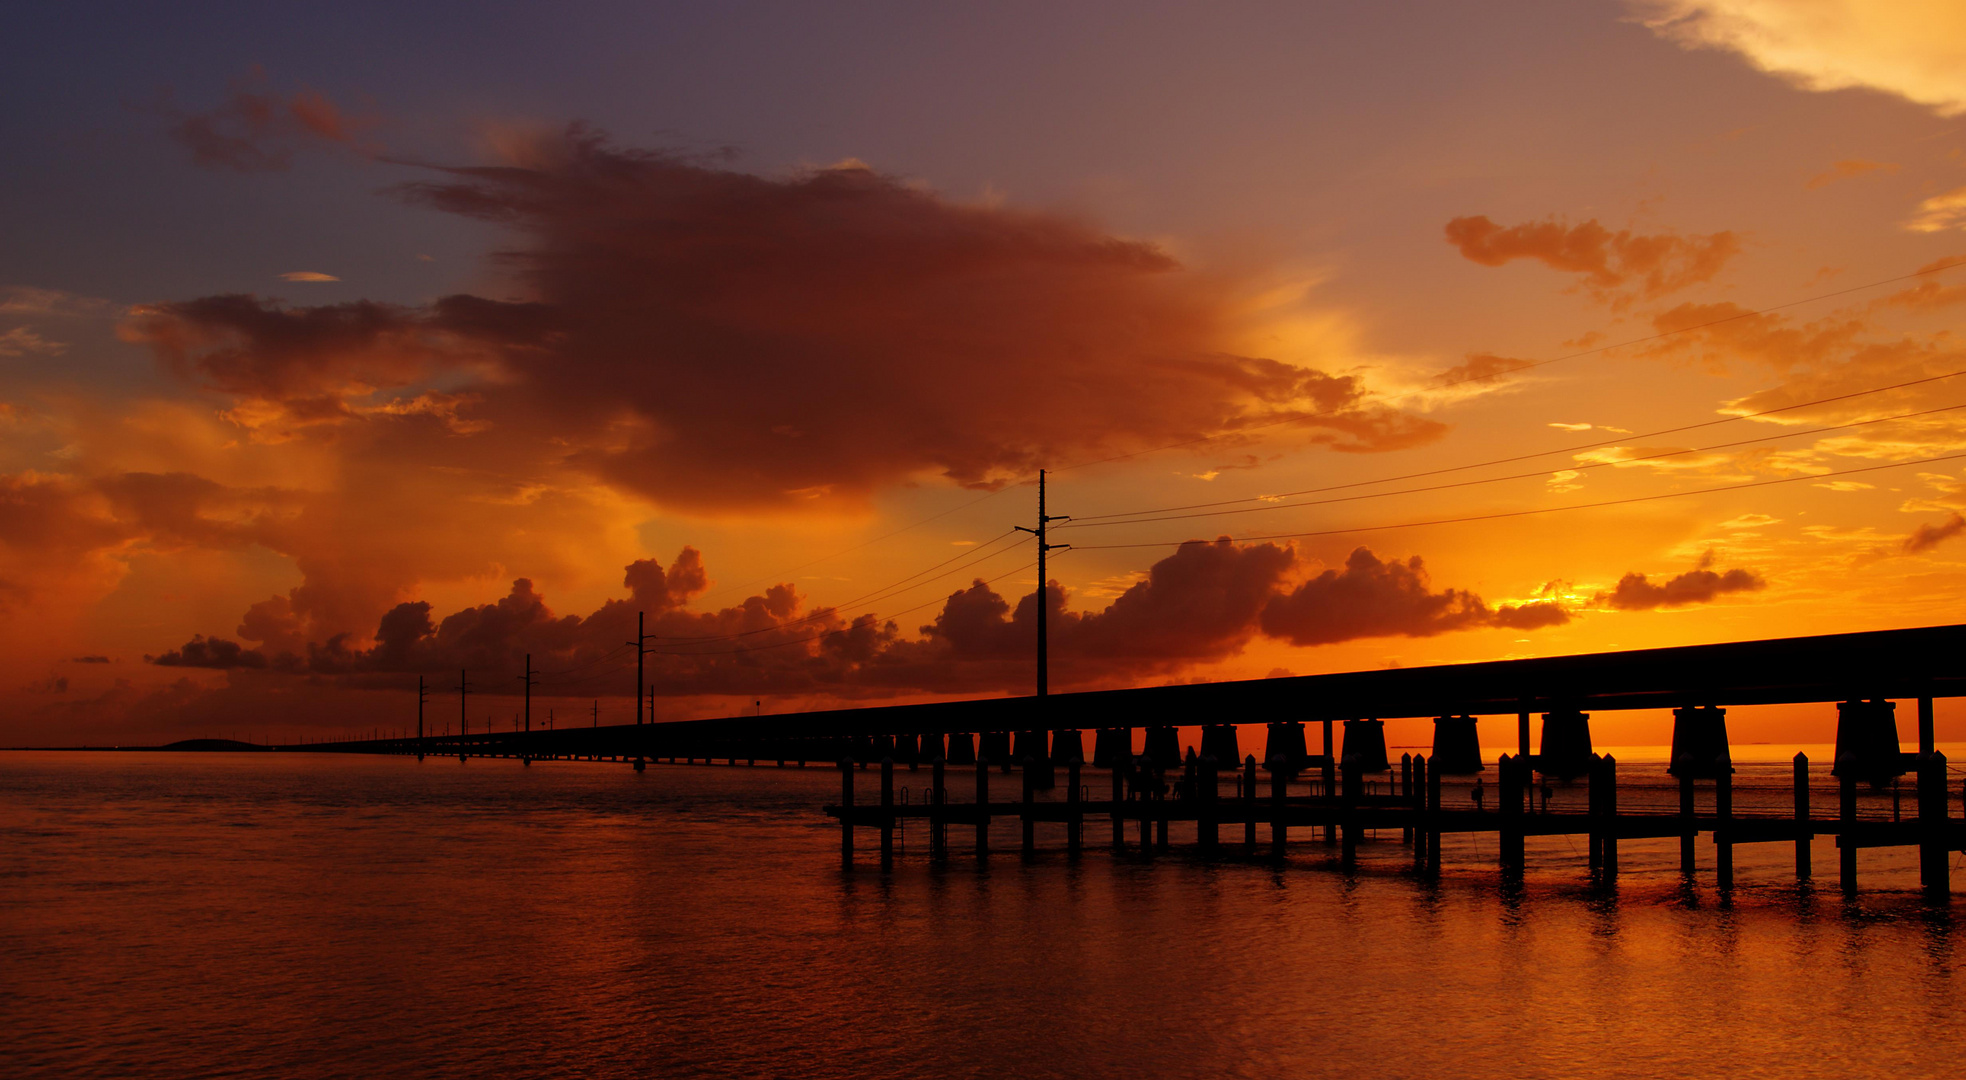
[1538,510]
[1094,518]
[1582,467]
[1442,384]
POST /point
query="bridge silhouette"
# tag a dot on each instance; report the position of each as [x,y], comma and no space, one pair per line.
[1344,790]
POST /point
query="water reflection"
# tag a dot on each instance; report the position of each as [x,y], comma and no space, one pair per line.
[315,916]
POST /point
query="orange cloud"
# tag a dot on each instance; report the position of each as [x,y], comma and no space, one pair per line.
[1615,267]
[254,130]
[1848,169]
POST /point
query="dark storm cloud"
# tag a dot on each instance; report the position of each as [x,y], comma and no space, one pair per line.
[713,339]
[1375,598]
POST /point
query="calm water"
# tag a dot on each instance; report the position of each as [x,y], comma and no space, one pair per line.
[315,916]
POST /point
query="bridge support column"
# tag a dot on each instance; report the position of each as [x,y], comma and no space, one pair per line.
[1802,833]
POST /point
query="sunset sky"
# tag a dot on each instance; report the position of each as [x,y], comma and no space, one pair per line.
[342,344]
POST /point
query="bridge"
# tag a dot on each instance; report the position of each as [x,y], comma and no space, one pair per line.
[1344,790]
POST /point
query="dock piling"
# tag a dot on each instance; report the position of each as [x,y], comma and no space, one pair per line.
[938,824]
[982,804]
[1030,807]
[846,811]
[887,810]
[1249,804]
[1688,832]
[1846,837]
[1433,819]
[1351,784]
[1723,831]
[1607,867]
[1208,787]
[1279,788]
[1802,833]
[1122,764]
[1509,846]
[1075,823]
[1934,854]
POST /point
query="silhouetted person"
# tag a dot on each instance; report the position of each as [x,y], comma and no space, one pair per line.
[1478,793]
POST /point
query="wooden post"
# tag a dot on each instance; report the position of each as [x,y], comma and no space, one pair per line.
[982,805]
[887,810]
[1802,834]
[1608,843]
[1351,783]
[1075,807]
[1723,830]
[1279,791]
[1208,830]
[1416,803]
[1595,812]
[1433,820]
[1406,792]
[1509,799]
[1249,804]
[846,811]
[1687,830]
[1329,775]
[938,826]
[1847,827]
[1934,856]
[1121,764]
[1926,744]
[1030,807]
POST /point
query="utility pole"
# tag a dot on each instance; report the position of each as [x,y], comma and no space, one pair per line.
[641,650]
[463,713]
[597,712]
[525,753]
[422,695]
[1044,594]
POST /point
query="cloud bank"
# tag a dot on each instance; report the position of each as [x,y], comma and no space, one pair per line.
[1916,51]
